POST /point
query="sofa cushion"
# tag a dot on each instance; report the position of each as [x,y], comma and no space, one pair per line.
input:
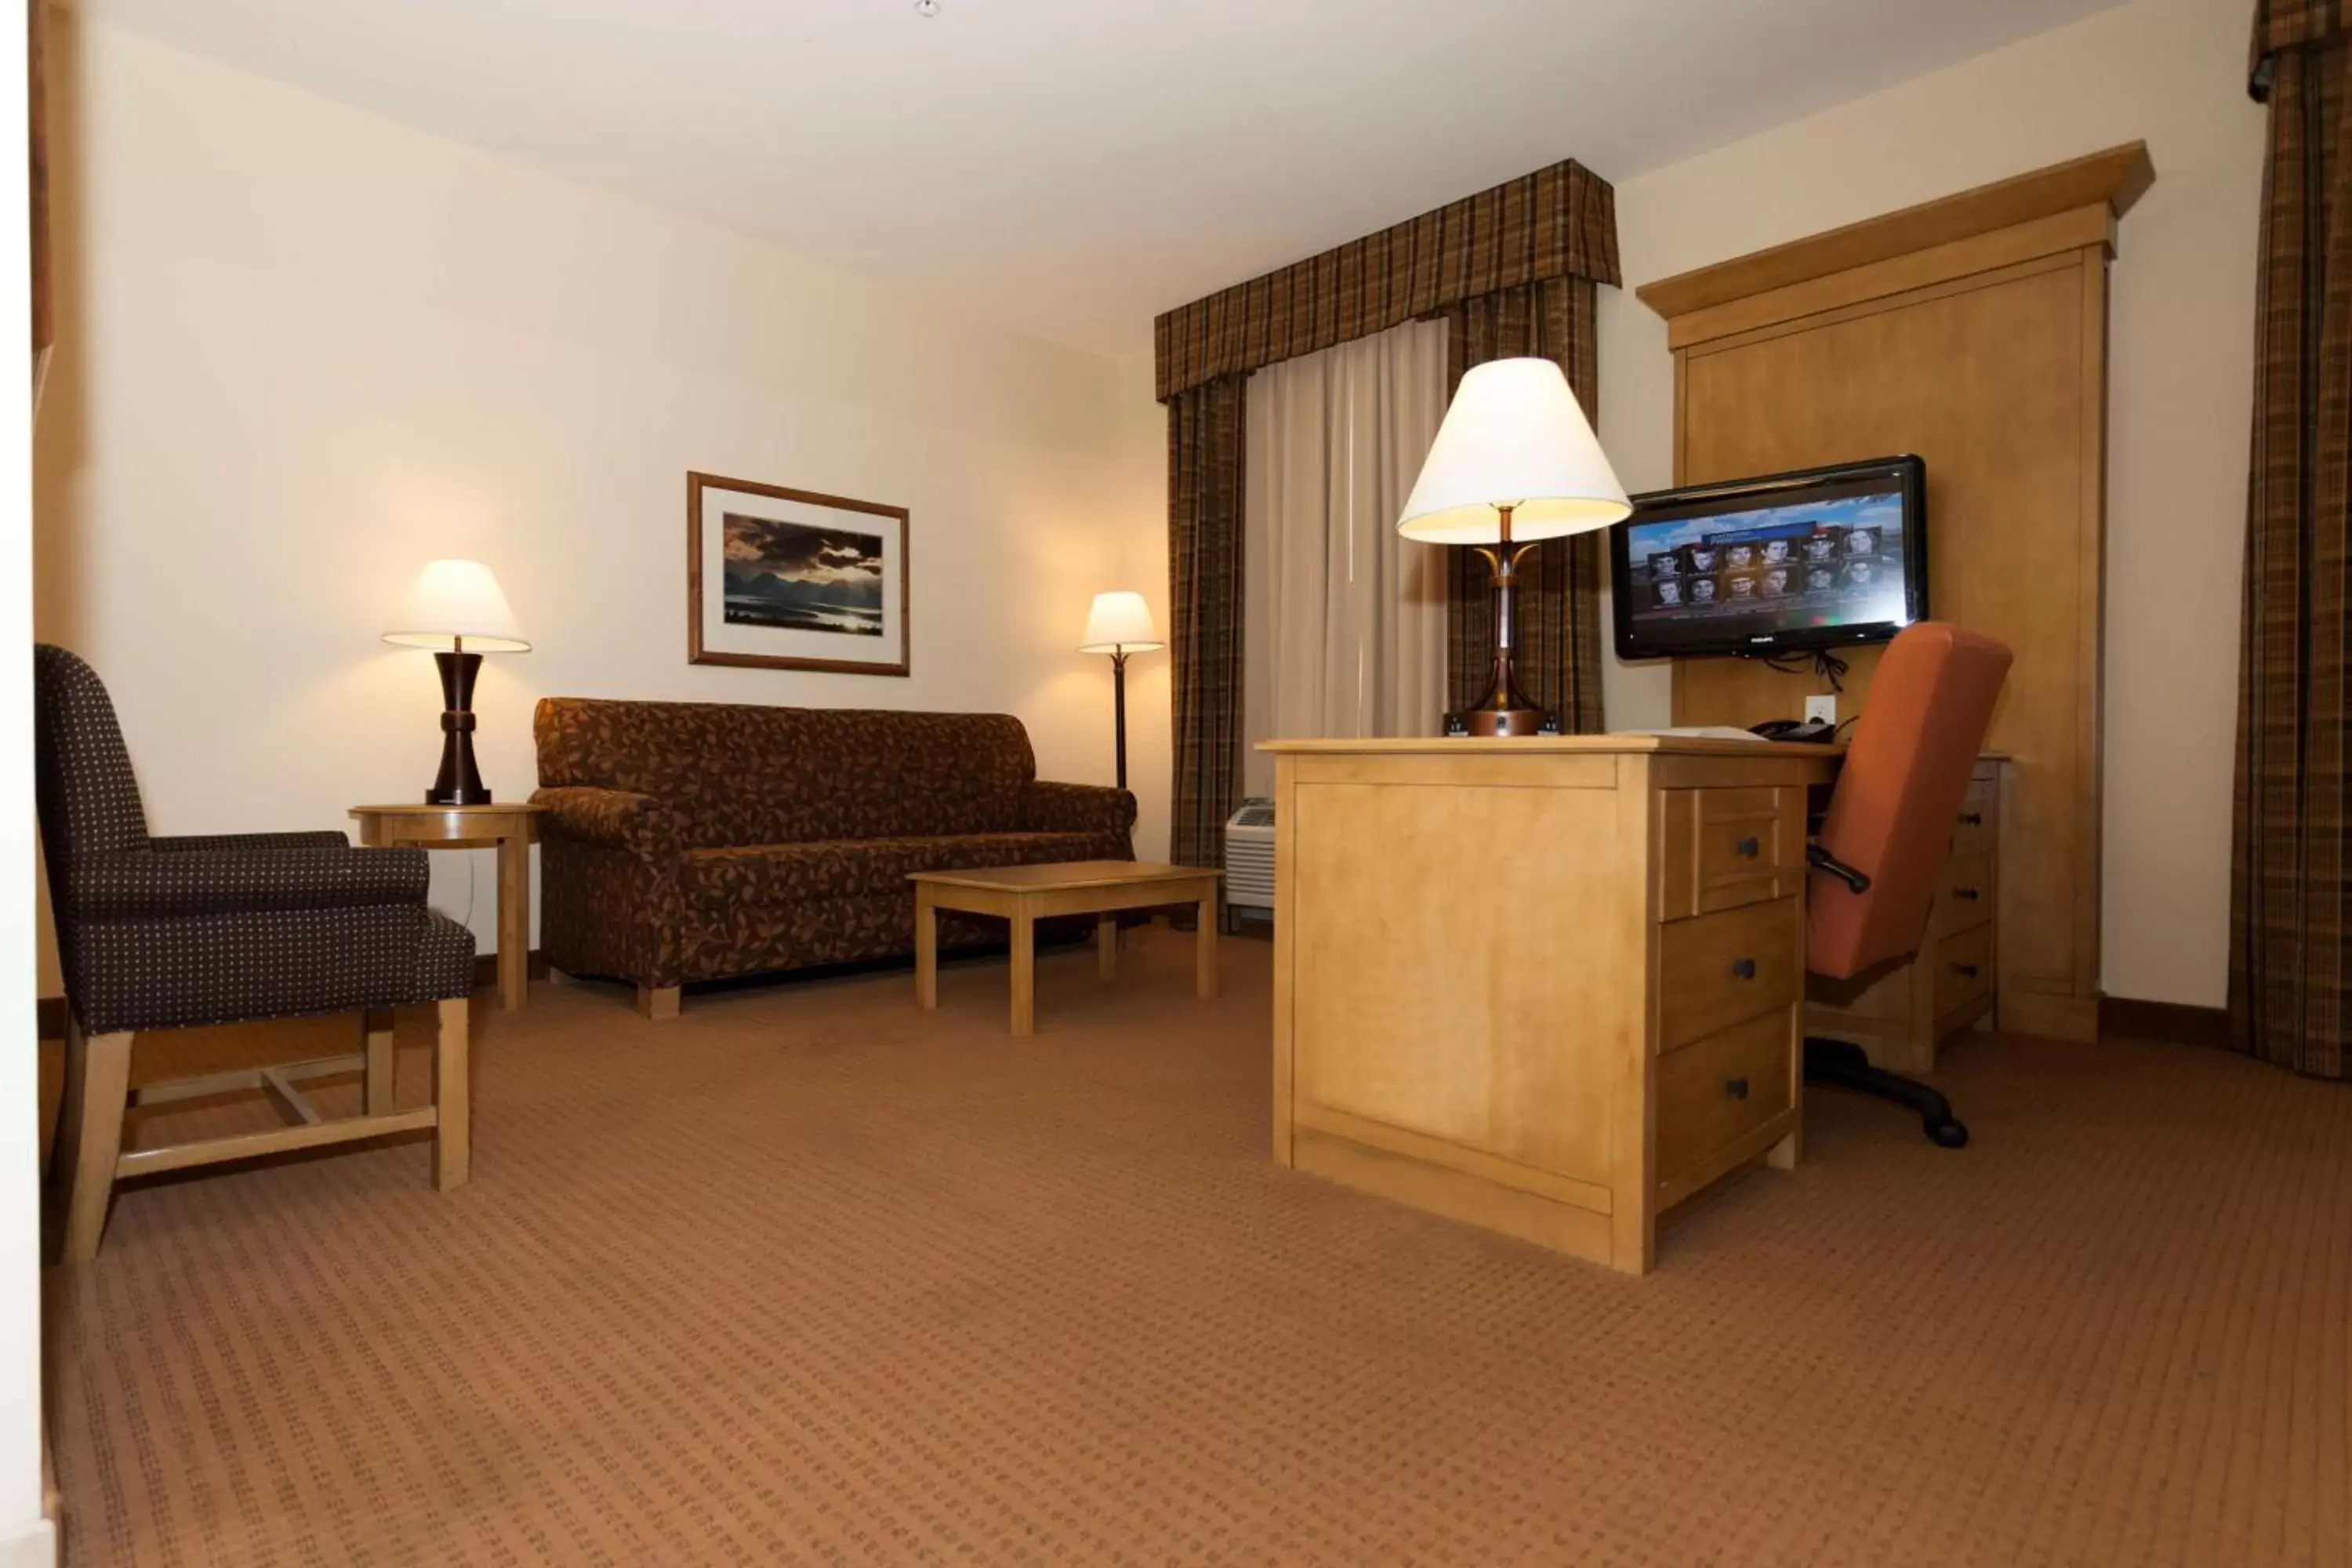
[768,874]
[748,775]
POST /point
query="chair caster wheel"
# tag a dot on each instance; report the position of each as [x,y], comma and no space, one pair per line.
[1948,1134]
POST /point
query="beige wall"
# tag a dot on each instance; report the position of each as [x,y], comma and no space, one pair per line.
[2171,73]
[311,348]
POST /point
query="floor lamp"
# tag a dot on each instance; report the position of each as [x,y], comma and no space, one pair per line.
[1118,624]
[1514,464]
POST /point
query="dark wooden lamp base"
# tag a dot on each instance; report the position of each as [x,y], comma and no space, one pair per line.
[459,781]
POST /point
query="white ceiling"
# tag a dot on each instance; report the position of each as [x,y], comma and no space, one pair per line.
[1077,166]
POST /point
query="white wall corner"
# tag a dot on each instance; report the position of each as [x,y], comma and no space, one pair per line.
[33,1545]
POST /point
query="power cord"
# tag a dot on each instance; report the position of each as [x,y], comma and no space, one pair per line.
[1821,662]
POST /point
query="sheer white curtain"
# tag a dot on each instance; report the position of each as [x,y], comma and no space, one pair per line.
[1344,628]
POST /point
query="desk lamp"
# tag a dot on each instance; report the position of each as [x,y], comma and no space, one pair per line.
[1514,464]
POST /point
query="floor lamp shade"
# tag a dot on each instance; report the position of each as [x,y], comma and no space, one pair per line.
[456,608]
[1119,624]
[1515,463]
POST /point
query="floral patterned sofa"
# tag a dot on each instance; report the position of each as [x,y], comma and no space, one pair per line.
[686,841]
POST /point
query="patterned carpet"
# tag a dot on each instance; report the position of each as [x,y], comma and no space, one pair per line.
[809,1276]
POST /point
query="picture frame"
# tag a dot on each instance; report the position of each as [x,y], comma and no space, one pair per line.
[789,579]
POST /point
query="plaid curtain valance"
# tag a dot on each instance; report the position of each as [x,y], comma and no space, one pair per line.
[2281,25]
[1559,222]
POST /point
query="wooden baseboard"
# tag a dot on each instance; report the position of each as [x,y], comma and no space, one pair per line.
[51,1014]
[2121,1018]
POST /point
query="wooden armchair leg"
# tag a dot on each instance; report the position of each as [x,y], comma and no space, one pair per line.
[377,1024]
[658,1002]
[452,1098]
[89,1143]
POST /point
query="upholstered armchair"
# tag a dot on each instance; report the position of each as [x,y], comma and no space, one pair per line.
[168,933]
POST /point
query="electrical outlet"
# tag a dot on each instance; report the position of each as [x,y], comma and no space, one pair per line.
[1823,708]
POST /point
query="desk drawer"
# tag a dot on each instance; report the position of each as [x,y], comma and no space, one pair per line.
[1979,824]
[1966,897]
[1721,1088]
[1716,969]
[1963,968]
[1724,847]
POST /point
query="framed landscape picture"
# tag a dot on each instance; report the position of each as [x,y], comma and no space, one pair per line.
[793,579]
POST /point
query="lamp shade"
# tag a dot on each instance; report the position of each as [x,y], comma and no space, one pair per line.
[1514,436]
[1120,623]
[454,599]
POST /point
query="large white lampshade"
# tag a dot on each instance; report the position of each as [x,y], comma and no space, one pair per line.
[1514,436]
[1120,623]
[454,599]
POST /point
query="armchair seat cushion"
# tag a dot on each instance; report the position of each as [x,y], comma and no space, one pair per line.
[765,874]
[264,963]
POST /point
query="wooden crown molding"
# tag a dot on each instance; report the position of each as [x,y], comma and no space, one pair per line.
[2114,179]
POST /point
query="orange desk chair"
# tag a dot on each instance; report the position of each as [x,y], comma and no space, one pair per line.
[1889,827]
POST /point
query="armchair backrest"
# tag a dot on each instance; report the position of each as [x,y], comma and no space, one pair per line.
[744,774]
[1898,796]
[86,794]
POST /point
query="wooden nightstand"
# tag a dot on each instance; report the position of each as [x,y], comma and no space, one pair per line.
[511,829]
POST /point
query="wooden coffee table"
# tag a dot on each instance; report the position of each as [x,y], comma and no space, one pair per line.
[1027,894]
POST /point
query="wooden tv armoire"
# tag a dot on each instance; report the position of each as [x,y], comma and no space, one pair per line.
[1972,331]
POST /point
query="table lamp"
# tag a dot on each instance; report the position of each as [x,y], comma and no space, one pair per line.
[1120,624]
[454,609]
[1514,464]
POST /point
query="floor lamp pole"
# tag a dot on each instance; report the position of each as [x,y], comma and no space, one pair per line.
[1118,710]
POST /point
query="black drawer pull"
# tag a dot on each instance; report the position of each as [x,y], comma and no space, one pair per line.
[1966,895]
[1744,968]
[1735,1087]
[1967,971]
[1973,819]
[1749,848]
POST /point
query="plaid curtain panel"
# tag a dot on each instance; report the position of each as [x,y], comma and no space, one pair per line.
[2288,890]
[1204,574]
[1559,655]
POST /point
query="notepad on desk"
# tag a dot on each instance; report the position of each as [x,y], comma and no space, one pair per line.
[1700,732]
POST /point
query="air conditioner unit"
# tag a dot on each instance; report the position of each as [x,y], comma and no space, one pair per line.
[1249,857]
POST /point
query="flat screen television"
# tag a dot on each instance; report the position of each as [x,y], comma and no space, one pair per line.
[1810,560]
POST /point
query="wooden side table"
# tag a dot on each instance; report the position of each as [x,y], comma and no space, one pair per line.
[1027,894]
[510,829]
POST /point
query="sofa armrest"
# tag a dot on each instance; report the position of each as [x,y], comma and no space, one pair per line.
[1075,808]
[611,818]
[138,884]
[188,843]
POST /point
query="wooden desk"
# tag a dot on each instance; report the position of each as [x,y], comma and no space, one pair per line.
[1550,985]
[510,829]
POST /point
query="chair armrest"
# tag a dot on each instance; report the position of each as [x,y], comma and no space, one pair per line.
[1854,877]
[136,884]
[1075,808]
[614,818]
[325,838]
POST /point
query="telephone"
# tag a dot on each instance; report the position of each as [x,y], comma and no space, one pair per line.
[1818,730]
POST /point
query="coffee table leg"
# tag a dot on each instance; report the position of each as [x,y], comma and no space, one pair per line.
[927,949]
[1024,973]
[1204,950]
[1106,946]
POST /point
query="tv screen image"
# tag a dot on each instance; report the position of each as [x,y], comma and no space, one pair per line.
[1807,560]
